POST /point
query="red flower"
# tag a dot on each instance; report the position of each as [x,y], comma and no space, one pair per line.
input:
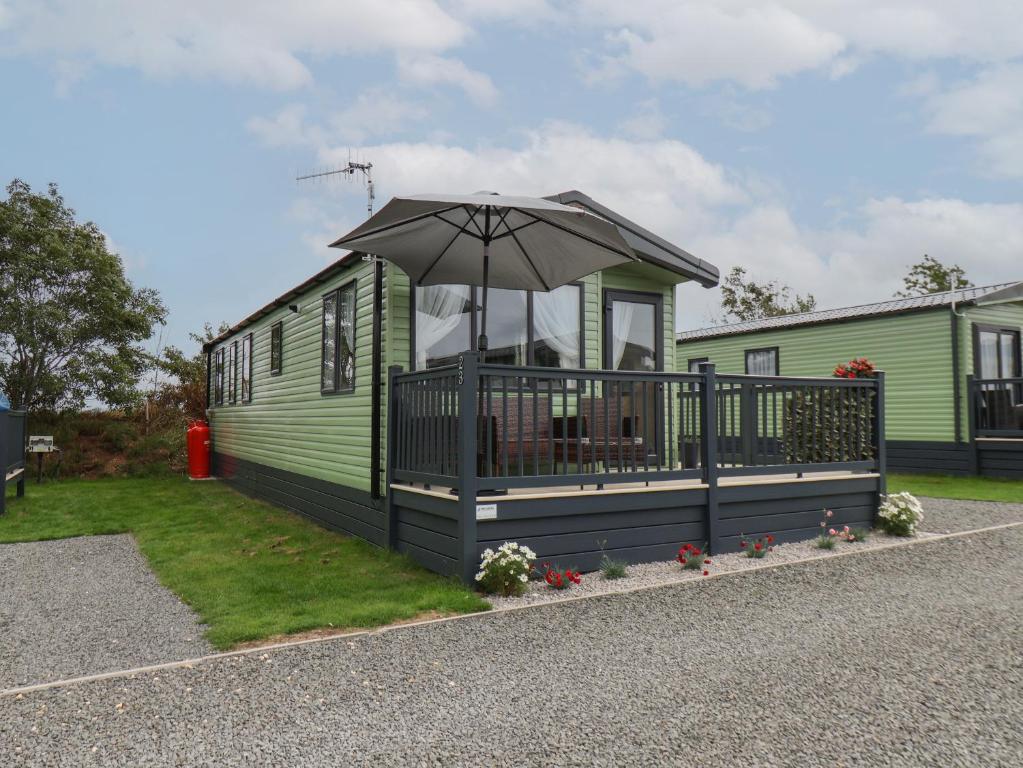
[742,543]
[707,561]
[706,573]
[697,552]
[758,546]
[770,539]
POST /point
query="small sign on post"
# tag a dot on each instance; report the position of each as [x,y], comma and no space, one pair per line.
[41,445]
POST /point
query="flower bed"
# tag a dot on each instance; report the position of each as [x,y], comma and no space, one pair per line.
[669,572]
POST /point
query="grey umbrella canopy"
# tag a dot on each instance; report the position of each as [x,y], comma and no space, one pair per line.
[498,241]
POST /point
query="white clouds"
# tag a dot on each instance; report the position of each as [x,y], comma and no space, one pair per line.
[717,214]
[864,259]
[755,44]
[699,43]
[990,108]
[261,42]
[430,69]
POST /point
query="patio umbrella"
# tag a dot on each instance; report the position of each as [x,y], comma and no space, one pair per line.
[489,240]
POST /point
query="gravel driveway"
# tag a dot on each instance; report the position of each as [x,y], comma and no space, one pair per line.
[946,515]
[80,606]
[905,657]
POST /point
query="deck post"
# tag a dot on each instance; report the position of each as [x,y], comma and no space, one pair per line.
[882,446]
[709,451]
[390,514]
[971,416]
[747,422]
[468,383]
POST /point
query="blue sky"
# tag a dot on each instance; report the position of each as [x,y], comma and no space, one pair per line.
[826,145]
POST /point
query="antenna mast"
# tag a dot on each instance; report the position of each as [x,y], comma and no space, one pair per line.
[350,169]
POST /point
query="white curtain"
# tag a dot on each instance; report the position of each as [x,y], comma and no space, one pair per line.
[622,313]
[439,310]
[988,355]
[556,322]
[762,362]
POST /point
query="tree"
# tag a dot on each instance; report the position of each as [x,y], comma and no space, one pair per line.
[185,392]
[744,299]
[71,323]
[931,276]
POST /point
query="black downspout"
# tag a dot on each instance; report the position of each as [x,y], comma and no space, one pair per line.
[376,383]
[209,353]
[956,387]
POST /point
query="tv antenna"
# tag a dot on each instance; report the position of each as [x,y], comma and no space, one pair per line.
[349,169]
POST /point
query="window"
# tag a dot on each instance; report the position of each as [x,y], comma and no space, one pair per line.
[762,362]
[246,363]
[276,341]
[338,344]
[557,327]
[997,353]
[232,371]
[696,362]
[218,378]
[507,327]
[523,327]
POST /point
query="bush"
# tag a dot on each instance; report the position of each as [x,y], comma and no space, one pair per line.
[691,558]
[759,547]
[900,514]
[555,578]
[613,569]
[506,571]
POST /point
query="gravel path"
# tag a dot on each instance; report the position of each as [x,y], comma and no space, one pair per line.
[945,515]
[904,657]
[81,606]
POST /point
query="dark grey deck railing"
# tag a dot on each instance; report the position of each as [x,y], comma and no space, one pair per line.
[536,427]
[996,407]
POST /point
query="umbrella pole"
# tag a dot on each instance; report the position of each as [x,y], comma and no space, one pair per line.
[481,343]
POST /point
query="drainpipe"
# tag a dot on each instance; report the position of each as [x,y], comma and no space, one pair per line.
[376,380]
[957,394]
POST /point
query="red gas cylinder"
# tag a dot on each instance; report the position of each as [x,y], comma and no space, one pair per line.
[198,438]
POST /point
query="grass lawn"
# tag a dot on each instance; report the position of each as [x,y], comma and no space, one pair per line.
[249,570]
[950,487]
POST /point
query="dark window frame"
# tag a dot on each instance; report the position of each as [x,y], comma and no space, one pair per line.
[339,387]
[246,370]
[1010,330]
[611,295]
[218,377]
[697,360]
[277,332]
[474,302]
[777,359]
[233,373]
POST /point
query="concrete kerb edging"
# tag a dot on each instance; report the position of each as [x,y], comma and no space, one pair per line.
[262,649]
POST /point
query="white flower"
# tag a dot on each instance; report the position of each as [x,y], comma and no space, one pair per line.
[523,578]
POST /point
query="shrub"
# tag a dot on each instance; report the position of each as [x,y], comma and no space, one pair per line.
[556,578]
[609,567]
[691,557]
[853,534]
[827,538]
[900,514]
[506,571]
[860,368]
[759,547]
[613,569]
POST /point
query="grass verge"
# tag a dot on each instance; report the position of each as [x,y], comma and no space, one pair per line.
[250,570]
[953,487]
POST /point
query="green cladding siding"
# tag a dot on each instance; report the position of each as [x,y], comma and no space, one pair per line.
[291,426]
[914,350]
